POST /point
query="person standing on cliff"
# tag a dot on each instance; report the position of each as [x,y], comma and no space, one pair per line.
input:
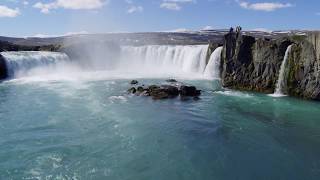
[231,30]
[238,30]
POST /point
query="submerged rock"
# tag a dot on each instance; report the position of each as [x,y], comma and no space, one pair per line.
[171,80]
[134,82]
[163,92]
[171,90]
[132,90]
[140,89]
[159,95]
[189,91]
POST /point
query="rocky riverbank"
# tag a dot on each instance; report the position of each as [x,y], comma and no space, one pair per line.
[253,64]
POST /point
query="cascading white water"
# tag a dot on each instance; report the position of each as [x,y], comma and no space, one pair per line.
[165,59]
[154,61]
[281,83]
[21,63]
[213,67]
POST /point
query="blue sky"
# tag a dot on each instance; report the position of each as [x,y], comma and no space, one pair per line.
[59,17]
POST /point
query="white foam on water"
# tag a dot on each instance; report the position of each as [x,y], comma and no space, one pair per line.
[234,93]
[117,99]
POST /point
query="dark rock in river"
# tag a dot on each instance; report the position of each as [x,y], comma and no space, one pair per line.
[132,90]
[163,92]
[133,82]
[189,91]
[166,91]
[158,94]
[171,90]
[140,89]
[171,80]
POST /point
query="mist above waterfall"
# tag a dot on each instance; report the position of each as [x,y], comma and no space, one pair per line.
[85,58]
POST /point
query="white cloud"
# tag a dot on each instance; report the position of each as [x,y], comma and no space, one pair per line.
[70,4]
[134,9]
[180,1]
[45,8]
[174,4]
[207,28]
[170,6]
[263,6]
[8,12]
[80,4]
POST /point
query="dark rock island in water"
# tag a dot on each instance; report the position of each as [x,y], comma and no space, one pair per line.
[166,91]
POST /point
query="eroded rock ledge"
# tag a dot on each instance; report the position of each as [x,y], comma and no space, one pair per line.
[250,63]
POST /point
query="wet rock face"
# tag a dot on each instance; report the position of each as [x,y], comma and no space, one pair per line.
[166,91]
[304,71]
[133,82]
[252,64]
[171,80]
[132,90]
[189,91]
[3,68]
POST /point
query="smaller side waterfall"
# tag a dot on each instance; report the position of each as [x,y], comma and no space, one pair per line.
[213,67]
[281,83]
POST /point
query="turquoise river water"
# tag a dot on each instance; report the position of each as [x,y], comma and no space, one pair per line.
[95,130]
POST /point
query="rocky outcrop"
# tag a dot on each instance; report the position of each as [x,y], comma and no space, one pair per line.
[211,48]
[250,63]
[314,39]
[3,68]
[303,69]
[172,90]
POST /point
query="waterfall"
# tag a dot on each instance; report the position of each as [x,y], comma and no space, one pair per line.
[152,61]
[22,63]
[281,83]
[213,67]
[167,59]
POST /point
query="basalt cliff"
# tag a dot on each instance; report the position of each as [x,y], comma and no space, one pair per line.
[250,63]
